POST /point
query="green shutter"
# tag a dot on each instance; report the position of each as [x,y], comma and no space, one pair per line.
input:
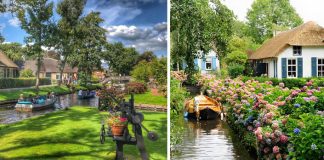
[300,67]
[314,67]
[284,67]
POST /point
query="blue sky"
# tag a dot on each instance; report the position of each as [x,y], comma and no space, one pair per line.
[136,23]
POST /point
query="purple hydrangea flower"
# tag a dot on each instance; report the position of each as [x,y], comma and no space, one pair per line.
[296,130]
[297,105]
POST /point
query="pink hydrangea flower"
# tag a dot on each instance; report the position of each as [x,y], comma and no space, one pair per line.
[283,138]
[275,149]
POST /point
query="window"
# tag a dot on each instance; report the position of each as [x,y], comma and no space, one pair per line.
[320,67]
[292,68]
[57,76]
[297,50]
[208,64]
[48,75]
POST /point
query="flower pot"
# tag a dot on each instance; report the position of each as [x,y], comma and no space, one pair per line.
[117,130]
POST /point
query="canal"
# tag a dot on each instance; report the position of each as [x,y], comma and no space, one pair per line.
[209,139]
[9,115]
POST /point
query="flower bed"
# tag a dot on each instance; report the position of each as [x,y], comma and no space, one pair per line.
[278,122]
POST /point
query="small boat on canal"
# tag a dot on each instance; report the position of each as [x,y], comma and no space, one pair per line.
[202,108]
[41,104]
[85,95]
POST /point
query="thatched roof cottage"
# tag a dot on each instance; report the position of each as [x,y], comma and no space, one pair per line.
[8,69]
[298,52]
[50,69]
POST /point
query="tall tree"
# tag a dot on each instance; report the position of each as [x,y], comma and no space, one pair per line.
[66,35]
[267,16]
[91,40]
[34,16]
[198,26]
[14,51]
[147,56]
[120,59]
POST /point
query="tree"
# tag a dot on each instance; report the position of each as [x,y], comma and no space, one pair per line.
[142,72]
[120,59]
[236,57]
[34,16]
[14,51]
[70,12]
[267,16]
[147,56]
[159,70]
[91,39]
[198,26]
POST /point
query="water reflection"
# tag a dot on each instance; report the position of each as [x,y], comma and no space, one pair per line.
[211,139]
[9,115]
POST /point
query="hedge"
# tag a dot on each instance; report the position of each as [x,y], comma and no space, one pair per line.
[289,82]
[22,82]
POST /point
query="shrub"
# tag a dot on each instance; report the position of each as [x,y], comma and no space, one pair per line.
[178,96]
[235,70]
[106,102]
[136,87]
[22,82]
[26,73]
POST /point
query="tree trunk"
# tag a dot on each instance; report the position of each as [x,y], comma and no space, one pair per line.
[62,66]
[37,73]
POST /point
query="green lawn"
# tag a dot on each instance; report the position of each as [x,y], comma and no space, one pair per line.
[11,95]
[148,98]
[74,134]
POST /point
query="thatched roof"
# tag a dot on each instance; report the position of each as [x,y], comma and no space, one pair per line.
[308,34]
[49,65]
[5,61]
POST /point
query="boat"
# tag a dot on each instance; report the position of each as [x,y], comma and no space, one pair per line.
[27,106]
[87,96]
[202,108]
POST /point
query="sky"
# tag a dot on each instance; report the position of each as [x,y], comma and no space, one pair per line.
[308,10]
[136,23]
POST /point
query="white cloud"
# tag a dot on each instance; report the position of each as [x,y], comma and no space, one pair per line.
[153,38]
[14,22]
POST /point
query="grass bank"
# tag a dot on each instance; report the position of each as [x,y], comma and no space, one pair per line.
[148,98]
[74,134]
[12,95]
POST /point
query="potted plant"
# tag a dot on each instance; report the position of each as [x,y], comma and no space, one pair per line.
[117,124]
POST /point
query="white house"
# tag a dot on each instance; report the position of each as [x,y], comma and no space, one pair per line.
[207,63]
[298,52]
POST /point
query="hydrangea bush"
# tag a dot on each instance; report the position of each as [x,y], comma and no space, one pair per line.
[286,123]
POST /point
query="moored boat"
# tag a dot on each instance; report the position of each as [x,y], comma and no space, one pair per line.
[27,106]
[87,96]
[203,108]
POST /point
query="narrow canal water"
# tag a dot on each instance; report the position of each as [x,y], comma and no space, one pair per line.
[212,139]
[9,115]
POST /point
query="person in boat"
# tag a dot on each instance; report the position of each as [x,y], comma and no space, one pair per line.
[49,95]
[80,93]
[21,98]
[30,98]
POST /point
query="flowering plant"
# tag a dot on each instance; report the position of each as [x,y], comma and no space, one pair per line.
[105,100]
[275,114]
[115,119]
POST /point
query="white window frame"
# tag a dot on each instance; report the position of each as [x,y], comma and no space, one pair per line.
[300,51]
[58,74]
[288,65]
[318,65]
[209,60]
